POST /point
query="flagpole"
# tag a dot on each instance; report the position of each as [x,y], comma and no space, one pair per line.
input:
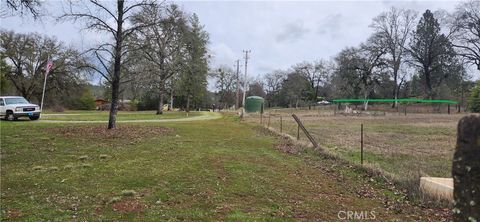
[43,93]
[44,86]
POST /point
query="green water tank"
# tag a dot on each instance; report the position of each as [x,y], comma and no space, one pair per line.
[254,104]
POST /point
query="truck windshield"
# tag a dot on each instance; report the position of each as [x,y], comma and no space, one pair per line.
[18,100]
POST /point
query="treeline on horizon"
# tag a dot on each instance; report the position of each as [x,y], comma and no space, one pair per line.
[165,60]
[407,56]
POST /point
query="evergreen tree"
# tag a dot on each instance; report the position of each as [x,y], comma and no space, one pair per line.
[432,53]
[474,102]
[192,81]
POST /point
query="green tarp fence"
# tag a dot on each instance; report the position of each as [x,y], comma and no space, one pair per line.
[393,100]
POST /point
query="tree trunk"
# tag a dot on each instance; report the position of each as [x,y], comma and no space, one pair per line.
[395,89]
[428,83]
[187,109]
[365,103]
[112,119]
[160,102]
[171,101]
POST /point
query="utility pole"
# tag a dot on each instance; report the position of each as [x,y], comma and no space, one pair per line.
[245,80]
[237,98]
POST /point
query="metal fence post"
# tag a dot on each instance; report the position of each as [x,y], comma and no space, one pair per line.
[361,144]
[281,124]
[298,131]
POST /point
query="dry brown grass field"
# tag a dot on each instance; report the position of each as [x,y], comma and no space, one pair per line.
[402,147]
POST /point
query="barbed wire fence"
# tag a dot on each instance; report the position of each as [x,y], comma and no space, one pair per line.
[399,145]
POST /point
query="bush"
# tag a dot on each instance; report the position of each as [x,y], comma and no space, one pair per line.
[474,101]
[133,105]
[84,102]
[149,101]
[58,109]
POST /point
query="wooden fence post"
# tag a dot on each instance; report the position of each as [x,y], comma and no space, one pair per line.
[268,122]
[466,170]
[300,125]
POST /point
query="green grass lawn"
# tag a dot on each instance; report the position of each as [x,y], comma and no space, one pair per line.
[196,171]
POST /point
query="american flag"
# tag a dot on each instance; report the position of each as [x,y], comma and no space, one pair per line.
[49,67]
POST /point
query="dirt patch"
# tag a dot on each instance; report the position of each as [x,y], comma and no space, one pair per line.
[101,132]
[127,205]
[287,146]
[13,213]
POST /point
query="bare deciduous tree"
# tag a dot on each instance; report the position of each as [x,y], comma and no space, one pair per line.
[162,43]
[392,30]
[465,31]
[98,15]
[21,7]
[273,85]
[225,83]
[27,55]
[369,64]
[315,73]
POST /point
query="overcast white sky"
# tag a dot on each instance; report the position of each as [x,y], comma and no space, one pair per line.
[278,33]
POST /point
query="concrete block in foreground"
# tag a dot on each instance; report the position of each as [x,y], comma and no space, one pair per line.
[439,187]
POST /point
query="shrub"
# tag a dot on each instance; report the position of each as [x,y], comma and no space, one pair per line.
[58,109]
[86,102]
[82,101]
[474,101]
[149,101]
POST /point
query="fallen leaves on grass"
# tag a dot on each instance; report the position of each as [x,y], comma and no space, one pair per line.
[128,205]
[13,213]
[287,147]
[126,132]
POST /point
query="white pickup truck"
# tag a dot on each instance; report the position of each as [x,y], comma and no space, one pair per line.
[12,107]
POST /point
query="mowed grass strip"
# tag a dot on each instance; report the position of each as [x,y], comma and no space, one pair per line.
[122,115]
[196,171]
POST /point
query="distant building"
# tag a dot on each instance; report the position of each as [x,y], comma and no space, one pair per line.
[99,103]
[123,104]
